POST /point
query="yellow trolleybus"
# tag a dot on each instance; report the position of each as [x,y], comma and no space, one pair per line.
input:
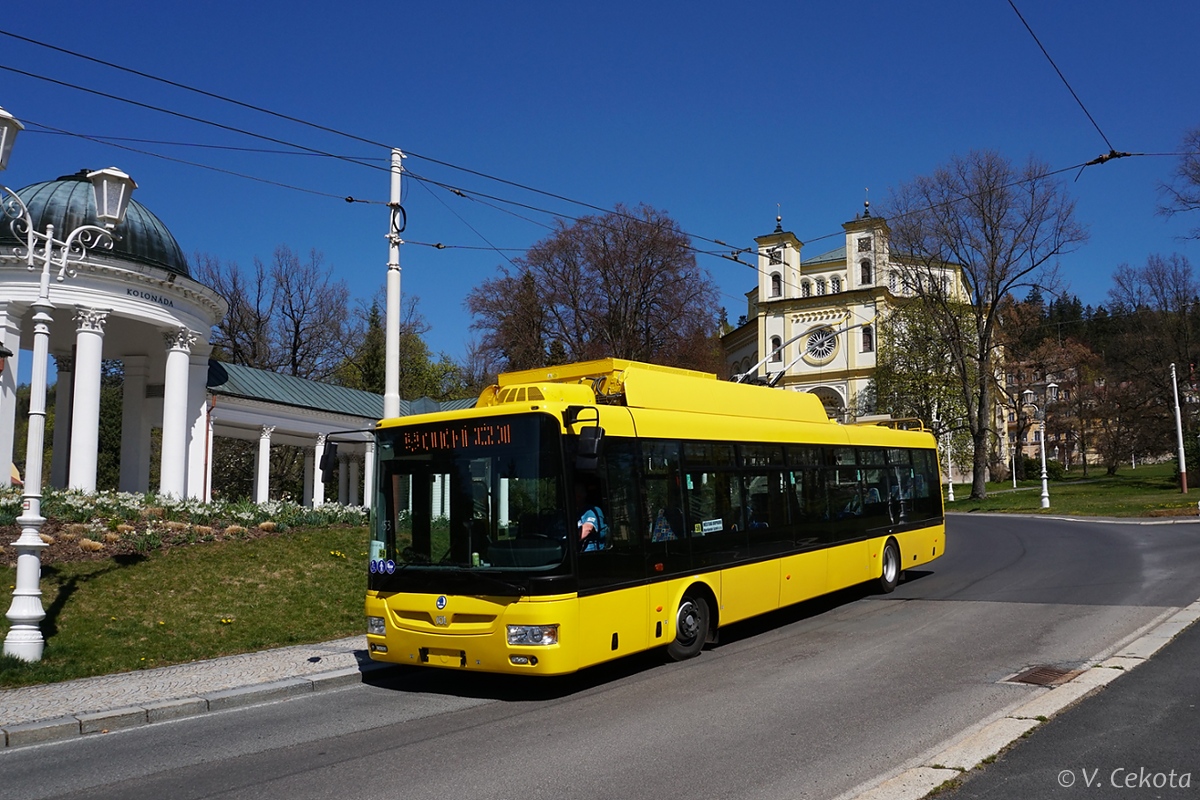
[716,502]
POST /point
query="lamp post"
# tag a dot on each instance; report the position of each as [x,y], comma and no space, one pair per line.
[1040,413]
[42,250]
[949,464]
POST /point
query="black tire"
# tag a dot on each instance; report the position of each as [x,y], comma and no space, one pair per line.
[889,574]
[691,628]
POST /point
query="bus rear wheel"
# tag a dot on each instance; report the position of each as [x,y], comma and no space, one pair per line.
[691,628]
[890,575]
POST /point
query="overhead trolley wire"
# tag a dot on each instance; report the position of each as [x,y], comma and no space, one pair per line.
[733,255]
[189,117]
[98,140]
[1112,151]
[288,118]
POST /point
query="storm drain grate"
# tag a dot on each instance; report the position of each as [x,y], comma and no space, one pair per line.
[1043,676]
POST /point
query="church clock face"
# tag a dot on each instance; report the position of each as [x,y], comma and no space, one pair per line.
[820,346]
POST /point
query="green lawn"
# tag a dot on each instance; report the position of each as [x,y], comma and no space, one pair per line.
[194,602]
[1143,492]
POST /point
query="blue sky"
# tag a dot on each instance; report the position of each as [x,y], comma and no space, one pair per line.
[719,113]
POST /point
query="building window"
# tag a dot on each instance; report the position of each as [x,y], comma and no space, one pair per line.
[835,284]
[864,244]
[776,349]
[868,339]
[892,282]
[820,286]
[806,289]
[776,284]
[865,277]
[774,257]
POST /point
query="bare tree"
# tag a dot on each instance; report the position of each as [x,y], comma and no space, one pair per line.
[1184,193]
[292,317]
[1003,227]
[312,314]
[1156,317]
[1071,416]
[512,316]
[243,336]
[625,284]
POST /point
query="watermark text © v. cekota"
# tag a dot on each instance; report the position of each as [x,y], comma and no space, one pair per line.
[1125,778]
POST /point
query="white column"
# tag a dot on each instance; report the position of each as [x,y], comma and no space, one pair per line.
[198,452]
[369,476]
[173,464]
[343,479]
[318,486]
[133,411]
[10,337]
[208,464]
[309,468]
[60,450]
[353,481]
[85,406]
[262,465]
[436,507]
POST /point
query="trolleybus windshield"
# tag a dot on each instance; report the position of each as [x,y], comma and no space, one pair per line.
[476,497]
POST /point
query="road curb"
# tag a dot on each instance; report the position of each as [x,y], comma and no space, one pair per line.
[978,745]
[1180,520]
[74,726]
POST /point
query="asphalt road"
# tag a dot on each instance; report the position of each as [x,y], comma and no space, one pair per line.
[809,702]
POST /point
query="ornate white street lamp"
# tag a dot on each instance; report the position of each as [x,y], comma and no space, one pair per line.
[950,465]
[949,460]
[1027,396]
[41,250]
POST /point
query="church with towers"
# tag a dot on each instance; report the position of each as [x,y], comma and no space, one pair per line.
[812,324]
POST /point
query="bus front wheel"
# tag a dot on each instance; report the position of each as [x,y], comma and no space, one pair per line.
[691,628]
[890,576]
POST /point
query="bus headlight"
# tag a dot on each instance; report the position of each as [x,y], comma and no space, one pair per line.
[375,626]
[532,634]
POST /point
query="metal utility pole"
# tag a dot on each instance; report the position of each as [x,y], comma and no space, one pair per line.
[1179,433]
[391,380]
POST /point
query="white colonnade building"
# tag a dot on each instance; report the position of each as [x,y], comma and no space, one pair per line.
[136,303]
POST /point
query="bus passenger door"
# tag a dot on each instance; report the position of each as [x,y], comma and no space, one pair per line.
[612,592]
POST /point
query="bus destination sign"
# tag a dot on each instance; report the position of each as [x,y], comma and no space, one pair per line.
[468,434]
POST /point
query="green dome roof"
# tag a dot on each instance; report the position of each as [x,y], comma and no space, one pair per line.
[68,202]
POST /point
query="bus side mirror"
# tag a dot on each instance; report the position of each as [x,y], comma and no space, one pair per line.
[587,453]
[328,462]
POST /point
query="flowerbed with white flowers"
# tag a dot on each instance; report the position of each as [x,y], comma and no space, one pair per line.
[83,526]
